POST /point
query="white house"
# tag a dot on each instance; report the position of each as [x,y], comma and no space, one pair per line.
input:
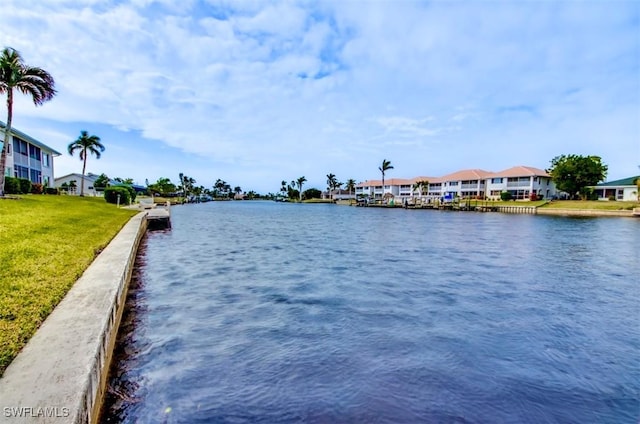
[400,188]
[625,189]
[521,182]
[89,180]
[28,158]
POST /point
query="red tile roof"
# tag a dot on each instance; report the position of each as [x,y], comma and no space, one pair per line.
[520,171]
[466,174]
[462,175]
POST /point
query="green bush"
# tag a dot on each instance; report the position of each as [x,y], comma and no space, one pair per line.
[52,190]
[25,186]
[505,195]
[111,195]
[17,185]
[11,185]
[312,193]
[132,192]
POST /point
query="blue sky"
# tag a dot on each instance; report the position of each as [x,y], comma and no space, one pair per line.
[256,92]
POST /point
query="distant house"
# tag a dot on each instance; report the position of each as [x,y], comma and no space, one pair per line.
[625,189]
[338,194]
[28,158]
[74,180]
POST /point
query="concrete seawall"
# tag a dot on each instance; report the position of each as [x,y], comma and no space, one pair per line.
[60,376]
[583,212]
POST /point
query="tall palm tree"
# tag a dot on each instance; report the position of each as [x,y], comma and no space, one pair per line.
[35,82]
[331,183]
[86,144]
[386,165]
[300,181]
[350,185]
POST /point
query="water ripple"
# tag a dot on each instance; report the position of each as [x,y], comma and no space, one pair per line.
[327,314]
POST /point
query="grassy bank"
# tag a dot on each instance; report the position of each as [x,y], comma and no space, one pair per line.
[47,242]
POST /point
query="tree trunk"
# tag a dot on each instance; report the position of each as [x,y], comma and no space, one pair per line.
[7,133]
[84,166]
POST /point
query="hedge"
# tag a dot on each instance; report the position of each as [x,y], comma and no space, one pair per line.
[17,185]
[111,195]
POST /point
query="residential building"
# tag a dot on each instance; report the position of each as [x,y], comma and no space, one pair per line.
[464,183]
[373,189]
[74,180]
[625,189]
[338,194]
[89,184]
[28,158]
[520,181]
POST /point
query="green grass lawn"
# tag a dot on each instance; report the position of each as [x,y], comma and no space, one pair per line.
[46,244]
[592,204]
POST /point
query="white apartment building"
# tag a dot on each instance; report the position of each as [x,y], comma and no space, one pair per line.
[520,181]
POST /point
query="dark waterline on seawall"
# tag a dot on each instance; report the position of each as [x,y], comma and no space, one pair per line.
[265,312]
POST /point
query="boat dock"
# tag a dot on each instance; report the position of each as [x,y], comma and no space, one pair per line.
[158,216]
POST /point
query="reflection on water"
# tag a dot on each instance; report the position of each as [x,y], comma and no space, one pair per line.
[265,312]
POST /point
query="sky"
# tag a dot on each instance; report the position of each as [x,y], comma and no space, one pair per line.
[256,92]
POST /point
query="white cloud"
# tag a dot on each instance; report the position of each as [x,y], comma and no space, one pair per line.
[293,86]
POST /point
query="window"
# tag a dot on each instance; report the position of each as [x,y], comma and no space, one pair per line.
[35,176]
[496,180]
[34,152]
[45,159]
[453,183]
[20,146]
[21,171]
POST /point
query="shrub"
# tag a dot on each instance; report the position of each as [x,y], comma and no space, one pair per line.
[131,190]
[11,185]
[37,188]
[505,195]
[111,195]
[52,190]
[612,198]
[312,193]
[25,186]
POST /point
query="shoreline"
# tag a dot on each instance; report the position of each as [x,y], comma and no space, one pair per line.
[60,376]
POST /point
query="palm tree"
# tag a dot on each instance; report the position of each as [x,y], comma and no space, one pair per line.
[331,182]
[421,185]
[300,181]
[86,143]
[386,165]
[36,82]
[350,185]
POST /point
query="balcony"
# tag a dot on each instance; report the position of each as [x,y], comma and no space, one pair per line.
[518,184]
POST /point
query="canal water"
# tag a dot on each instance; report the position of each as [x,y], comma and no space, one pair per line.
[280,313]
